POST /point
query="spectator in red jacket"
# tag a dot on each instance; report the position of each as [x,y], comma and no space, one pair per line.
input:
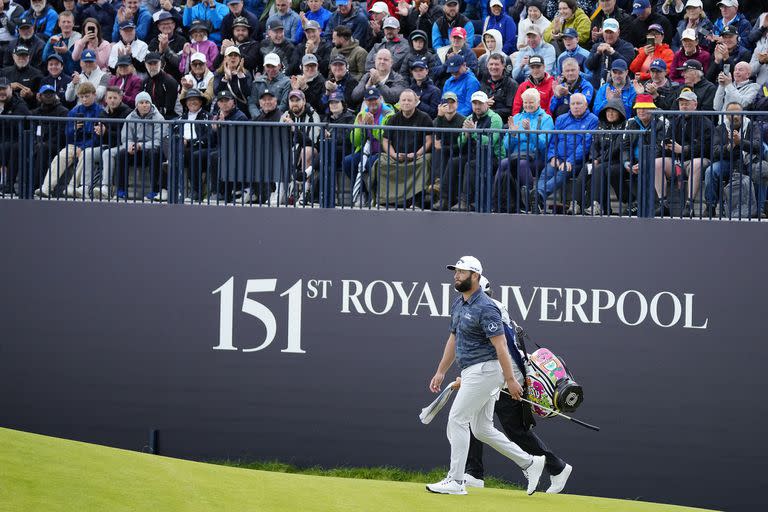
[538,79]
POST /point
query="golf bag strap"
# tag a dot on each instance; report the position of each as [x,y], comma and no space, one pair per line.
[509,332]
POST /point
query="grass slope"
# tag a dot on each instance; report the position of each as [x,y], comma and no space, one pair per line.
[44,473]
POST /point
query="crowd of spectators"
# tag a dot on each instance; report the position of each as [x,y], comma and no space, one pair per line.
[517,65]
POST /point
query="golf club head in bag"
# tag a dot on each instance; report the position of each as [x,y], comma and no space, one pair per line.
[550,384]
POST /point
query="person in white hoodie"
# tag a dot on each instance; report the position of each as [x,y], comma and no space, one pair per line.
[140,149]
[493,42]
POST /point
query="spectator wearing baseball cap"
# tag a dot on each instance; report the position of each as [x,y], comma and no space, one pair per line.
[294,31]
[498,19]
[126,79]
[428,93]
[392,41]
[12,106]
[24,77]
[460,47]
[26,37]
[92,39]
[641,65]
[462,82]
[161,86]
[89,72]
[538,79]
[730,16]
[271,78]
[316,45]
[138,15]
[210,15]
[610,9]
[127,39]
[644,16]
[728,52]
[619,86]
[232,76]
[345,45]
[56,77]
[536,47]
[52,135]
[603,52]
[659,87]
[277,42]
[442,29]
[245,17]
[690,49]
[340,80]
[445,146]
[693,74]
[701,26]
[355,19]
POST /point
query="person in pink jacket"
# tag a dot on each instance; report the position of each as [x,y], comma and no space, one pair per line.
[198,33]
[127,80]
[93,40]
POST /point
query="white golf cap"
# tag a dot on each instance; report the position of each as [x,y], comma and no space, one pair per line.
[694,3]
[467,263]
[479,96]
[496,2]
[272,59]
[198,57]
[379,8]
[728,3]
[230,50]
[485,284]
[689,33]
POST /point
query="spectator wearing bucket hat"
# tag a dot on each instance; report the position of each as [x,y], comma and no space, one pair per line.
[273,79]
[210,12]
[196,140]
[690,49]
[316,45]
[459,47]
[169,41]
[128,44]
[612,46]
[462,83]
[637,149]
[442,30]
[694,79]
[618,87]
[538,79]
[199,42]
[662,90]
[418,49]
[641,65]
[643,17]
[136,13]
[393,42]
[536,47]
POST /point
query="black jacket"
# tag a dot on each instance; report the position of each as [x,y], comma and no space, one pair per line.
[749,148]
[111,136]
[51,132]
[503,94]
[164,90]
[705,92]
[59,83]
[28,77]
[249,51]
[608,148]
[693,133]
[15,106]
[172,55]
[35,45]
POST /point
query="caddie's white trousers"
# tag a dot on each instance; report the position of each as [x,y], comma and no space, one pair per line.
[473,407]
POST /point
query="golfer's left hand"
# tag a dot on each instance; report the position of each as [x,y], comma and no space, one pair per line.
[514,388]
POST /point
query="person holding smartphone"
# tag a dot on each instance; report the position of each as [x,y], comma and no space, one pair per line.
[655,48]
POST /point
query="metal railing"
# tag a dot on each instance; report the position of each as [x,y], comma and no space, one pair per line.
[602,172]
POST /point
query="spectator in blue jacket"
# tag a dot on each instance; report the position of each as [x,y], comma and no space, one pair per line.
[501,21]
[80,136]
[353,17]
[458,46]
[291,21]
[62,43]
[141,17]
[567,153]
[205,10]
[526,150]
[618,86]
[573,51]
[317,13]
[571,82]
[429,95]
[730,16]
[43,16]
[442,30]
[462,83]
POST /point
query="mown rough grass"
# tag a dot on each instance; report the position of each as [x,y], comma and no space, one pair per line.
[393,474]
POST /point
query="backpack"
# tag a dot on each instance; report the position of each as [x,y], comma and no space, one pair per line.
[739,197]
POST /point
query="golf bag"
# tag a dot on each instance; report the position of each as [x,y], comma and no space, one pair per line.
[550,383]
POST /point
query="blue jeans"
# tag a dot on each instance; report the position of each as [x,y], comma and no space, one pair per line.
[352,162]
[551,179]
[714,177]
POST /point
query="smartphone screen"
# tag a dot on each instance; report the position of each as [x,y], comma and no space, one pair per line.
[650,40]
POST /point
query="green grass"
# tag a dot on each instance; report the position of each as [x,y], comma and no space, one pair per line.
[391,474]
[44,473]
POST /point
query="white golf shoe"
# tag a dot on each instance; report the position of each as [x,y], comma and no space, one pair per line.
[558,481]
[471,481]
[533,473]
[447,486]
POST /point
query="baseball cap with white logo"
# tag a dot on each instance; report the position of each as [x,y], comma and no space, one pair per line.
[467,263]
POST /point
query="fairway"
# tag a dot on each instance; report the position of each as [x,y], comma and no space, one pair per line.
[45,473]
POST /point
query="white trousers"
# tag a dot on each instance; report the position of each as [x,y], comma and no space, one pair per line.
[473,407]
